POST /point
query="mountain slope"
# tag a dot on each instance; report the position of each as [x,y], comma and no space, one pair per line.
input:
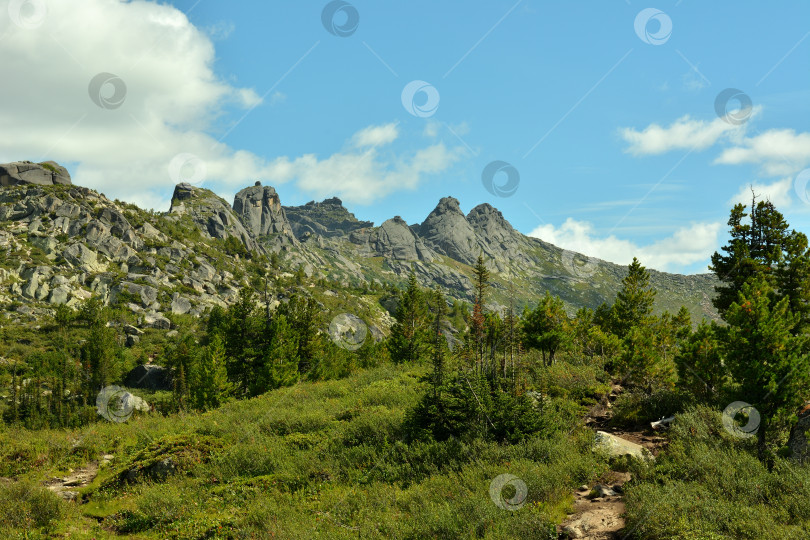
[62,243]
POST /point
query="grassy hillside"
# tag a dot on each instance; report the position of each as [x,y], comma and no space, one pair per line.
[319,460]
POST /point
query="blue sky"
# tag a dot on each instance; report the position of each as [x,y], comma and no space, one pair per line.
[617,142]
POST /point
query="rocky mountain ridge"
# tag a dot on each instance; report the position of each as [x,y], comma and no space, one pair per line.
[63,243]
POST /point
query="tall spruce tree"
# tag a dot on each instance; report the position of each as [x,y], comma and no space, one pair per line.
[209,376]
[762,245]
[438,343]
[478,323]
[634,301]
[766,359]
[409,335]
[547,328]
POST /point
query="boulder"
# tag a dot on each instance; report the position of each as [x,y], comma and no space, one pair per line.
[46,173]
[132,330]
[149,377]
[83,257]
[618,447]
[156,320]
[147,295]
[180,304]
[60,295]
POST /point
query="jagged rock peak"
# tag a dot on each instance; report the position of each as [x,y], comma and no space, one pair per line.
[182,192]
[447,231]
[487,213]
[394,239]
[259,209]
[213,215]
[327,218]
[448,204]
[47,173]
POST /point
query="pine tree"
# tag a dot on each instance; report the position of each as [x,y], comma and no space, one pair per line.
[98,351]
[634,302]
[280,361]
[181,391]
[700,365]
[768,362]
[438,342]
[547,328]
[304,319]
[477,326]
[409,335]
[762,246]
[209,376]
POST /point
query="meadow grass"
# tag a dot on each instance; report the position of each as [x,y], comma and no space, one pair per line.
[316,460]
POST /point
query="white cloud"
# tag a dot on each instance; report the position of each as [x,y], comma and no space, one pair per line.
[684,133]
[779,152]
[376,135]
[363,173]
[779,193]
[688,245]
[172,98]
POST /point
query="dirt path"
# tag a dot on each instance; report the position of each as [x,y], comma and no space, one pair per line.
[599,509]
[66,487]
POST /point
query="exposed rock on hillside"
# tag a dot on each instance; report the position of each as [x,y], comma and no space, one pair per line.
[328,218]
[60,244]
[396,240]
[261,213]
[448,232]
[46,173]
[212,214]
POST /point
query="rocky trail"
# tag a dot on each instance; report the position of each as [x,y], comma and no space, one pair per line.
[598,512]
[67,486]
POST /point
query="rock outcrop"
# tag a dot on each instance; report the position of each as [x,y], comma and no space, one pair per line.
[394,239]
[260,211]
[448,232]
[212,214]
[61,244]
[328,218]
[149,377]
[46,173]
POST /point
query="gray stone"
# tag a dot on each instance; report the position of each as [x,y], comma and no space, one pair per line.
[47,173]
[132,330]
[83,257]
[261,213]
[156,320]
[213,216]
[148,295]
[60,295]
[395,240]
[617,447]
[328,218]
[180,304]
[132,340]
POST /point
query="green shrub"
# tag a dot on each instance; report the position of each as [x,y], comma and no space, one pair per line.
[28,507]
[636,408]
[710,484]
